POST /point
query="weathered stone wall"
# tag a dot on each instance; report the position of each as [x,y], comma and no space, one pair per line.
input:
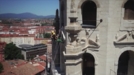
[107,55]
[101,30]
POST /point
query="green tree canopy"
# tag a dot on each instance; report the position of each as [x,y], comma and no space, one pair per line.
[6,22]
[43,24]
[47,35]
[12,52]
[1,68]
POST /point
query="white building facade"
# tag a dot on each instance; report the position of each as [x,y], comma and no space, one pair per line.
[18,40]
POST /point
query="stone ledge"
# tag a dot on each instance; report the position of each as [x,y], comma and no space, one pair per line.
[92,49]
[73,55]
[73,63]
[73,49]
[80,53]
[123,43]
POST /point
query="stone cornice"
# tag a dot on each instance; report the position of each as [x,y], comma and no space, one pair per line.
[73,62]
[80,53]
[73,55]
[123,43]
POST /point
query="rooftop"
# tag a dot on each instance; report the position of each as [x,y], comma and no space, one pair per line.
[21,68]
[33,47]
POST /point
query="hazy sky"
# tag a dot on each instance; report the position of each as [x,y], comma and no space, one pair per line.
[39,7]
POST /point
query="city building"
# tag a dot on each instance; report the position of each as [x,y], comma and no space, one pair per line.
[24,35]
[31,51]
[40,58]
[18,40]
[99,37]
[2,46]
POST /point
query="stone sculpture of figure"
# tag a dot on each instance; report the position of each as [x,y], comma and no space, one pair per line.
[72,4]
[116,37]
[129,36]
[97,38]
[87,31]
[133,34]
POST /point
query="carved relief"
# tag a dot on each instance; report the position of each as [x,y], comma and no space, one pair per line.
[93,44]
[127,38]
[73,39]
[79,43]
[87,42]
[88,31]
[72,4]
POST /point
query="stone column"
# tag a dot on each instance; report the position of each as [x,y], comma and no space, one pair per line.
[74,69]
[73,52]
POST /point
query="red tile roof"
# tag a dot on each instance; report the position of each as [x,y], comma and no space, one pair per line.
[40,67]
[42,57]
[22,68]
[27,69]
[20,31]
[42,63]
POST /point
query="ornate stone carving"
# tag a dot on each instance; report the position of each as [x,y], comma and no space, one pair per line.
[72,4]
[73,28]
[89,43]
[73,39]
[92,44]
[116,37]
[97,38]
[87,32]
[127,38]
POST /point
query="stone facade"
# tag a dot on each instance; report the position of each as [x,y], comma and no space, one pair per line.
[106,42]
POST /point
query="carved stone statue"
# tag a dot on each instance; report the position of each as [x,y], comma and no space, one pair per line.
[125,39]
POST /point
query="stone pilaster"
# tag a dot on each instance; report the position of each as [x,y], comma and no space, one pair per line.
[73,51]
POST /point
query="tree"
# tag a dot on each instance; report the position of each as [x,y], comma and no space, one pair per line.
[43,24]
[1,68]
[6,22]
[47,35]
[12,52]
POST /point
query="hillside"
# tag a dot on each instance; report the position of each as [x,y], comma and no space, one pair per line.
[24,16]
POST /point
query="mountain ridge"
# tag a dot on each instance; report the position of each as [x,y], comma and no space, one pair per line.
[26,15]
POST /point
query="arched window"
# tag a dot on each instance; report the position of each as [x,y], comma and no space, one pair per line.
[129,10]
[123,63]
[89,12]
[88,65]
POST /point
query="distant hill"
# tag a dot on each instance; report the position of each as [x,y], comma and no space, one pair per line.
[23,16]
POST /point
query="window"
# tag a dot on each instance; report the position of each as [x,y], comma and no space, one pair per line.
[129,10]
[89,11]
